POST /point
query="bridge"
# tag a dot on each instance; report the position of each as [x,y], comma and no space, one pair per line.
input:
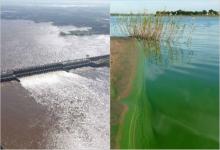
[15,74]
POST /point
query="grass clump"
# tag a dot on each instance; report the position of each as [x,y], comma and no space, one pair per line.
[156,31]
[155,28]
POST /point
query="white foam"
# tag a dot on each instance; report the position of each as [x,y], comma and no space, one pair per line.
[81,104]
[73,28]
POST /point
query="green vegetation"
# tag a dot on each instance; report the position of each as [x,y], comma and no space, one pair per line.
[189,13]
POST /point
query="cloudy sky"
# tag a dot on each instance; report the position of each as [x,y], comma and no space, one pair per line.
[127,6]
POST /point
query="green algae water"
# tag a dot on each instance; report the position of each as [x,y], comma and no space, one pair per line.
[138,121]
[174,98]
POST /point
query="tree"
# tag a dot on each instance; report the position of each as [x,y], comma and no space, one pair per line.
[204,12]
[212,12]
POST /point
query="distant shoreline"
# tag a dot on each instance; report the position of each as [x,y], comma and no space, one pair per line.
[209,13]
[164,15]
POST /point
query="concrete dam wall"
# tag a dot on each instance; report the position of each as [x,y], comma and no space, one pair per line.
[14,74]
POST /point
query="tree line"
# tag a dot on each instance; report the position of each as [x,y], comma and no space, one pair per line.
[210,12]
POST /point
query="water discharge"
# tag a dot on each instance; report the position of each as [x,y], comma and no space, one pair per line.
[79,104]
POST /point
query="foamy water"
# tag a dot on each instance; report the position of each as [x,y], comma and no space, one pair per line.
[80,104]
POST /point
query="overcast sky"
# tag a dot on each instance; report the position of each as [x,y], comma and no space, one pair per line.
[127,6]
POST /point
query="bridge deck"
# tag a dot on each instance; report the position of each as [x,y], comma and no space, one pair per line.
[66,65]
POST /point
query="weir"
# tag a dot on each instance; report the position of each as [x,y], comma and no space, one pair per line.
[14,74]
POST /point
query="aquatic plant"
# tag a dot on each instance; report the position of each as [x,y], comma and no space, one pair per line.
[152,27]
[155,31]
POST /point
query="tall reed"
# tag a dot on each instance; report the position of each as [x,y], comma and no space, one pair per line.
[151,27]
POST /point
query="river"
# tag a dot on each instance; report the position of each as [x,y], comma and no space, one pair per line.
[67,110]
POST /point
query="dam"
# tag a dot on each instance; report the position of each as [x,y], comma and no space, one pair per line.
[14,74]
